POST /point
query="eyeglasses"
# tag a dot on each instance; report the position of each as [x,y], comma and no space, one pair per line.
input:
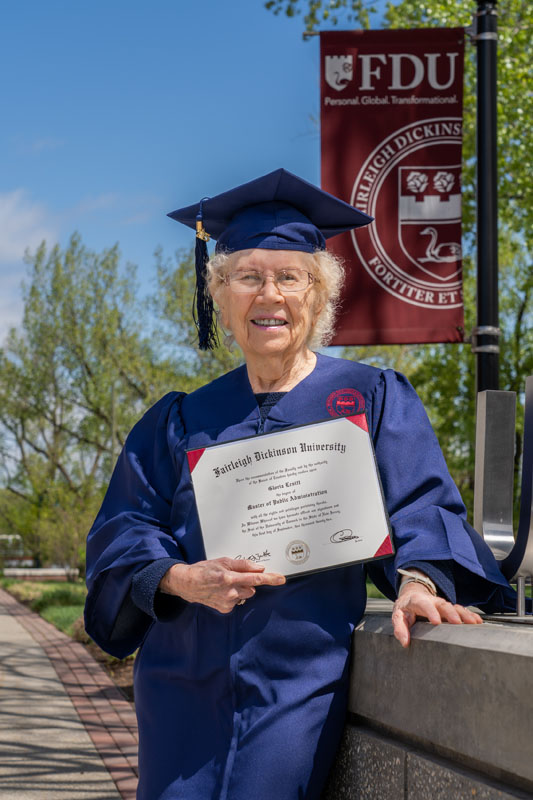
[250,281]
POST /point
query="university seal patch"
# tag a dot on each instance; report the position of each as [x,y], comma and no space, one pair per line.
[345,402]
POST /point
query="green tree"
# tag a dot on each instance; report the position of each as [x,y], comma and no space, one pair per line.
[444,375]
[515,106]
[88,360]
[73,379]
[172,306]
[332,11]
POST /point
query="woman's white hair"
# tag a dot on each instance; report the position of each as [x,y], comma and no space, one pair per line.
[328,271]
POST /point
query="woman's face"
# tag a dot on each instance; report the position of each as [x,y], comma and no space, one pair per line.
[269,322]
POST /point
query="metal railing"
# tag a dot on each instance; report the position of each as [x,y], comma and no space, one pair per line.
[494,480]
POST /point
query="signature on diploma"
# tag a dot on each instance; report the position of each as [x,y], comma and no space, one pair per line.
[343,536]
[257,557]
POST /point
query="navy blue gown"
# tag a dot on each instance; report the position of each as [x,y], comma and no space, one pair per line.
[252,703]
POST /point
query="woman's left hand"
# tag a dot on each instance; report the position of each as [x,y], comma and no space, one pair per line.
[417,601]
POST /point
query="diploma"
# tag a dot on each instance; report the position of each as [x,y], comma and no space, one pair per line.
[299,500]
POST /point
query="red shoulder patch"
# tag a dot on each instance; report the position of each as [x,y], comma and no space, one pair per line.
[345,402]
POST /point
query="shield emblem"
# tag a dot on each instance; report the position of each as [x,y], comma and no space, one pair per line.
[429,219]
[338,71]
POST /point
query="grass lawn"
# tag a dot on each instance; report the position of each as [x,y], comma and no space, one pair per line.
[59,602]
[373,592]
[63,617]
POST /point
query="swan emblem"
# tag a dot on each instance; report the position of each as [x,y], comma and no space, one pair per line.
[446,252]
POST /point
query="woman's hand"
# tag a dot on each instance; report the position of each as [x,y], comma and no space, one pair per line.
[220,583]
[415,600]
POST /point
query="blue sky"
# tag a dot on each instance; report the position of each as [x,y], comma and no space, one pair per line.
[116,112]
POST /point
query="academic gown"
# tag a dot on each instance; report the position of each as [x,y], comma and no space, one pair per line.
[252,703]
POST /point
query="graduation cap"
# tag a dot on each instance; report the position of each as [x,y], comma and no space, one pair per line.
[278,211]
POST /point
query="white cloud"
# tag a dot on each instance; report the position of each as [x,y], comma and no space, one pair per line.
[101,202]
[11,306]
[41,145]
[26,146]
[141,218]
[141,209]
[121,208]
[23,224]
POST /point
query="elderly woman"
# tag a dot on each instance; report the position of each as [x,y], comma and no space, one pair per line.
[241,676]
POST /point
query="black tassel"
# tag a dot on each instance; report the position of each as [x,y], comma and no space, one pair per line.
[203,310]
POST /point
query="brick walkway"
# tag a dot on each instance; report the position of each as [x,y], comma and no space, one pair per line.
[106,715]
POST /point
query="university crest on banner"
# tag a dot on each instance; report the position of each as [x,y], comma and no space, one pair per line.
[429,214]
[338,71]
[391,146]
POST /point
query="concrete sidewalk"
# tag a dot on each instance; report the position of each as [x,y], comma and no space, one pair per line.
[65,729]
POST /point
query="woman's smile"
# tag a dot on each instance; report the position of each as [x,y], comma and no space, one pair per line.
[269,322]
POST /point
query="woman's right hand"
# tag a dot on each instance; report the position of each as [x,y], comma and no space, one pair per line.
[219,583]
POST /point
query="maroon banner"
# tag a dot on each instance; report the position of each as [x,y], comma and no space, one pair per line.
[391,130]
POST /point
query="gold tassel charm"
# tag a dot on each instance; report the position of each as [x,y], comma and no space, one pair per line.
[201,232]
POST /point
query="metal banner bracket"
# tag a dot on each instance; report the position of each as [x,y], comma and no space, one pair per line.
[472,30]
[486,347]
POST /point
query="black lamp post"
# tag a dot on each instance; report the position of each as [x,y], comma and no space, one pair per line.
[486,335]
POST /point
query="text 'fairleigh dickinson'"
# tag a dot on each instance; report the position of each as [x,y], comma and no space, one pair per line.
[275,452]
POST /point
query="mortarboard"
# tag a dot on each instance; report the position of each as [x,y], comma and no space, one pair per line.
[278,211]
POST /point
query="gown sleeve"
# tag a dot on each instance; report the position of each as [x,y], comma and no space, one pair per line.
[133,531]
[427,514]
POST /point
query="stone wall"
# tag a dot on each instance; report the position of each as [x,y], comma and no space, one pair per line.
[451,717]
